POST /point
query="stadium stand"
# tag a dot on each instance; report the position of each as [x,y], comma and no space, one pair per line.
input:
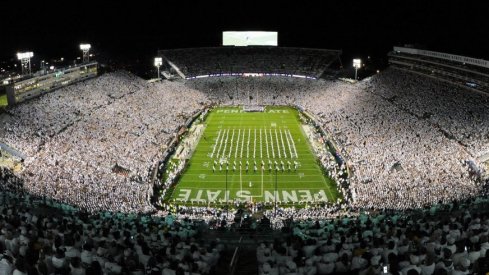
[225,60]
[416,147]
[460,70]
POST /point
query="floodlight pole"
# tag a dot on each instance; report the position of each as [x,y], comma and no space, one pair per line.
[158,61]
[86,56]
[357,63]
[85,49]
[25,61]
[26,65]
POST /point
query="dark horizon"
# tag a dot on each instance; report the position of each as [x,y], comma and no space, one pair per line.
[137,30]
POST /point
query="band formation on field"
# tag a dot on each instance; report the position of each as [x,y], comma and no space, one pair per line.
[252,156]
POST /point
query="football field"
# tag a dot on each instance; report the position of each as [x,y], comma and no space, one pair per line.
[254,156]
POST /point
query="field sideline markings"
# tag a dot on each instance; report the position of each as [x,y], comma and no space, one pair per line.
[287,149]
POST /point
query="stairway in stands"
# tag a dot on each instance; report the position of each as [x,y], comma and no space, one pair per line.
[246,263]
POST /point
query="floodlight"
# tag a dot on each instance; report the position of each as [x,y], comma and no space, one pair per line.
[158,63]
[357,63]
[25,60]
[24,55]
[84,47]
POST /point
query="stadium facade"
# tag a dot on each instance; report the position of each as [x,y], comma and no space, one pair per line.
[460,70]
[43,82]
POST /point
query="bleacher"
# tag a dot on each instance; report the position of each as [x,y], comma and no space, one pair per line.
[463,71]
[194,62]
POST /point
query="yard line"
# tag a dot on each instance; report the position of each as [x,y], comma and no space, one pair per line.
[288,144]
[254,146]
[225,143]
[231,146]
[278,144]
[261,147]
[237,144]
[220,143]
[248,144]
[215,143]
[293,144]
[283,145]
[242,144]
[271,143]
[266,141]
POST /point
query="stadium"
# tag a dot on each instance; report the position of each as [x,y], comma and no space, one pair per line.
[248,157]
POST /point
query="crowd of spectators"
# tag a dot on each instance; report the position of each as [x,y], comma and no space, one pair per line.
[399,157]
[407,141]
[446,239]
[45,240]
[93,144]
[224,60]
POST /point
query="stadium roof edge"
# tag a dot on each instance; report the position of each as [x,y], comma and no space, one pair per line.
[244,47]
[441,55]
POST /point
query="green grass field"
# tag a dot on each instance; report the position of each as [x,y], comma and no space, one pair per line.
[3,101]
[270,138]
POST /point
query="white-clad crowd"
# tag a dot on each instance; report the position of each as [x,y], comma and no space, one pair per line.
[452,239]
[400,158]
[47,241]
[279,60]
[94,144]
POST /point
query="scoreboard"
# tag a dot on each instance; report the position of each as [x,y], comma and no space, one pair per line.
[249,38]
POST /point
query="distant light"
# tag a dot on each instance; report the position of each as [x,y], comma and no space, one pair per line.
[158,61]
[62,59]
[90,55]
[85,47]
[357,63]
[51,68]
[78,58]
[25,55]
[378,71]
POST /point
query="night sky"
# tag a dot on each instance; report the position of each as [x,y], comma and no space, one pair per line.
[139,28]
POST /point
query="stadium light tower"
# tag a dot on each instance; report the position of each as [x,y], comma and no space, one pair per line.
[85,49]
[158,63]
[357,63]
[25,60]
